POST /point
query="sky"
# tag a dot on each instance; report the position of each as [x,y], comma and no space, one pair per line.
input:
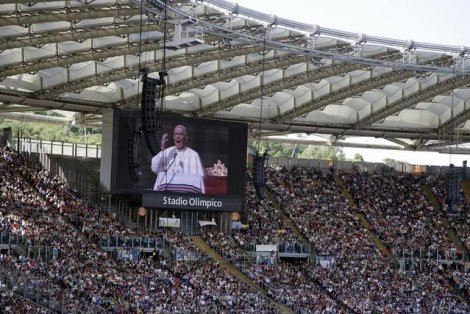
[430,21]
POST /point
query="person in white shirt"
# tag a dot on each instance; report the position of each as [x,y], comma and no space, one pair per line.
[178,168]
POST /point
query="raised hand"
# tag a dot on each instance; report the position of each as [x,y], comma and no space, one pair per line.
[163,141]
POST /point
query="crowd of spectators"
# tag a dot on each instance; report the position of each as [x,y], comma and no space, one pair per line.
[398,209]
[226,245]
[82,277]
[460,222]
[459,219]
[462,280]
[266,224]
[86,279]
[461,225]
[283,281]
[292,285]
[363,278]
[12,303]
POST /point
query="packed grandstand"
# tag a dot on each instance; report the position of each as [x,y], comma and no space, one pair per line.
[388,246]
[312,238]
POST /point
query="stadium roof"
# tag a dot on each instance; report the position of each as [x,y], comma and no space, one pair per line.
[225,61]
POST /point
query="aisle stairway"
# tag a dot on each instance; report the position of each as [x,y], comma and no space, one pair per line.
[465,185]
[438,208]
[80,173]
[292,226]
[365,223]
[203,246]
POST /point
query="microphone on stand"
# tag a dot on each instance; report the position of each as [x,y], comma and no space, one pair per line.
[175,153]
[171,163]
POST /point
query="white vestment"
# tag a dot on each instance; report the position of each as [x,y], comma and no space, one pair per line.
[178,170]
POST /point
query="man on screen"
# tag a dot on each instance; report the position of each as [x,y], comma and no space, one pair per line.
[178,168]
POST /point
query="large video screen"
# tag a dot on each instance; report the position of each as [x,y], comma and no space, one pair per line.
[199,164]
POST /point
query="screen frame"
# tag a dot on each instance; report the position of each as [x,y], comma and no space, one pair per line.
[212,139]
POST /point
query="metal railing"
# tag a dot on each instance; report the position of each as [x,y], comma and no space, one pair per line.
[145,244]
[23,246]
[33,290]
[57,148]
[420,259]
[8,240]
[284,248]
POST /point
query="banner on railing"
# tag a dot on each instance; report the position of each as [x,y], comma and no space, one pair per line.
[266,247]
[169,222]
[203,223]
[327,262]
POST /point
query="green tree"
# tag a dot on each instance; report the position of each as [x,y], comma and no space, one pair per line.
[53,132]
[358,157]
[323,152]
[275,149]
[393,161]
